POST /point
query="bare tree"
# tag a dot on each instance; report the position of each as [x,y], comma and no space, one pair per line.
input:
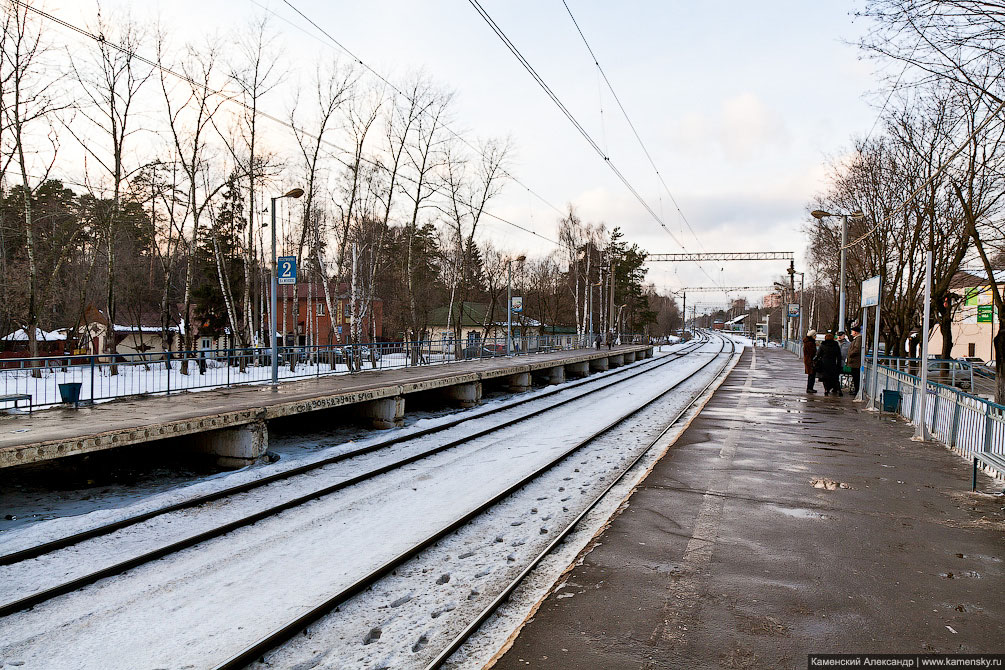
[111,82]
[425,155]
[30,102]
[190,109]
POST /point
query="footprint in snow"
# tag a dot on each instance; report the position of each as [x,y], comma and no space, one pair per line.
[517,523]
[467,554]
[483,572]
[401,601]
[565,498]
[447,608]
[511,558]
[561,488]
[517,543]
[566,479]
[473,595]
[544,531]
[543,498]
[546,517]
[373,636]
[420,645]
[444,578]
[499,538]
[533,510]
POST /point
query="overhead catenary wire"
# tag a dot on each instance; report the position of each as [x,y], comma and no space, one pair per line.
[569,115]
[231,97]
[638,137]
[397,90]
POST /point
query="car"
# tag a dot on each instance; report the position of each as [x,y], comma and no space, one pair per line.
[974,360]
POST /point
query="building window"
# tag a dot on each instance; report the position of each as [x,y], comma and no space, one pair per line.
[206,343]
[321,309]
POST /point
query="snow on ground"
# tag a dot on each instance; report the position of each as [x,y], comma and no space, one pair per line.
[241,586]
[407,618]
[68,512]
[134,378]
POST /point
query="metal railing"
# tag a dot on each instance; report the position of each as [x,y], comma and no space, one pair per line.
[961,420]
[106,377]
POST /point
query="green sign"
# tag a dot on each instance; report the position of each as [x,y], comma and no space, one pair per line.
[985,313]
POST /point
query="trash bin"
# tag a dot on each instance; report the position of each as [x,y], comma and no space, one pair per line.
[891,400]
[70,392]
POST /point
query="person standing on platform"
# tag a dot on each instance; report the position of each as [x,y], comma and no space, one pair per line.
[809,353]
[610,339]
[599,341]
[845,344]
[854,359]
[828,364]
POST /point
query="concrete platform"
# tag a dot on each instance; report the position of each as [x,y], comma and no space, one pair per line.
[782,524]
[233,422]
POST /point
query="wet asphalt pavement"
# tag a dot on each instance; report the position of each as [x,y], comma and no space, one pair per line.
[783,524]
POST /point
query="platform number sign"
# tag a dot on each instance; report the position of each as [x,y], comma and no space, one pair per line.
[287,270]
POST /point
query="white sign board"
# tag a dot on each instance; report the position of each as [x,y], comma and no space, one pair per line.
[870,292]
[517,305]
[793,310]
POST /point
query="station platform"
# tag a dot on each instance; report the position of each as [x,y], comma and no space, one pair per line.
[232,423]
[782,524]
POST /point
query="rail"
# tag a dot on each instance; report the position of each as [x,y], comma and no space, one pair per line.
[108,376]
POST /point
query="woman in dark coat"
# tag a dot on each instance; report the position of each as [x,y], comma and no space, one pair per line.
[809,353]
[828,365]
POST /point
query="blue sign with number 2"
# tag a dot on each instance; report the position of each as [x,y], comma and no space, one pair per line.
[287,269]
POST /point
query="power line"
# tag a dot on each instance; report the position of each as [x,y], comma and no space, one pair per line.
[624,112]
[397,90]
[232,98]
[565,111]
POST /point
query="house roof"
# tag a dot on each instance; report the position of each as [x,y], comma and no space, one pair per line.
[975,277]
[474,314]
[21,335]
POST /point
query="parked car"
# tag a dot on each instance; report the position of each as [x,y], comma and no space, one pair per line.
[950,371]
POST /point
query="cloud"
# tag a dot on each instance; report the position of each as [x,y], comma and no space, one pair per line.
[743,129]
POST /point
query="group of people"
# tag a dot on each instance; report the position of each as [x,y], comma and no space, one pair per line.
[834,355]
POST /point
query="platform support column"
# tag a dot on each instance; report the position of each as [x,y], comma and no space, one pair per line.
[235,447]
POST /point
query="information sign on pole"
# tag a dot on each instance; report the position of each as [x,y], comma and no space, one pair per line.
[517,305]
[287,270]
[870,292]
[985,313]
[793,310]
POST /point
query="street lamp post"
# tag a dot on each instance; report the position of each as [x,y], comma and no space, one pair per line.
[509,302]
[819,215]
[294,193]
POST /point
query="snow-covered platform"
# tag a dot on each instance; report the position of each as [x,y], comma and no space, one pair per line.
[782,524]
[233,423]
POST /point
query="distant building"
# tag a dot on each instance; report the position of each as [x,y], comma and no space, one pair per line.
[975,321]
[314,321]
[95,333]
[772,300]
[476,324]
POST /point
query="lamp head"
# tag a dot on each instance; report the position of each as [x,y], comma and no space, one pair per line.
[819,214]
[294,193]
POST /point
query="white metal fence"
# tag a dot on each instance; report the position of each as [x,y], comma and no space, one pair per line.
[961,420]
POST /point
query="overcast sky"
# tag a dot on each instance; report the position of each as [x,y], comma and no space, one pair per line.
[741,105]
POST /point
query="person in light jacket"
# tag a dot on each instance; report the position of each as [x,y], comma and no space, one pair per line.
[854,359]
[809,353]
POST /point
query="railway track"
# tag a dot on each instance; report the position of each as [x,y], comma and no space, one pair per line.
[298,624]
[42,595]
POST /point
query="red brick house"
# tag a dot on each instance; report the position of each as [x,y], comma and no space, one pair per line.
[315,321]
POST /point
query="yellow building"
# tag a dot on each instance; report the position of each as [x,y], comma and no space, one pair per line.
[975,321]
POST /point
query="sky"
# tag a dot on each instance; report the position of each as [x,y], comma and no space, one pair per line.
[741,106]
